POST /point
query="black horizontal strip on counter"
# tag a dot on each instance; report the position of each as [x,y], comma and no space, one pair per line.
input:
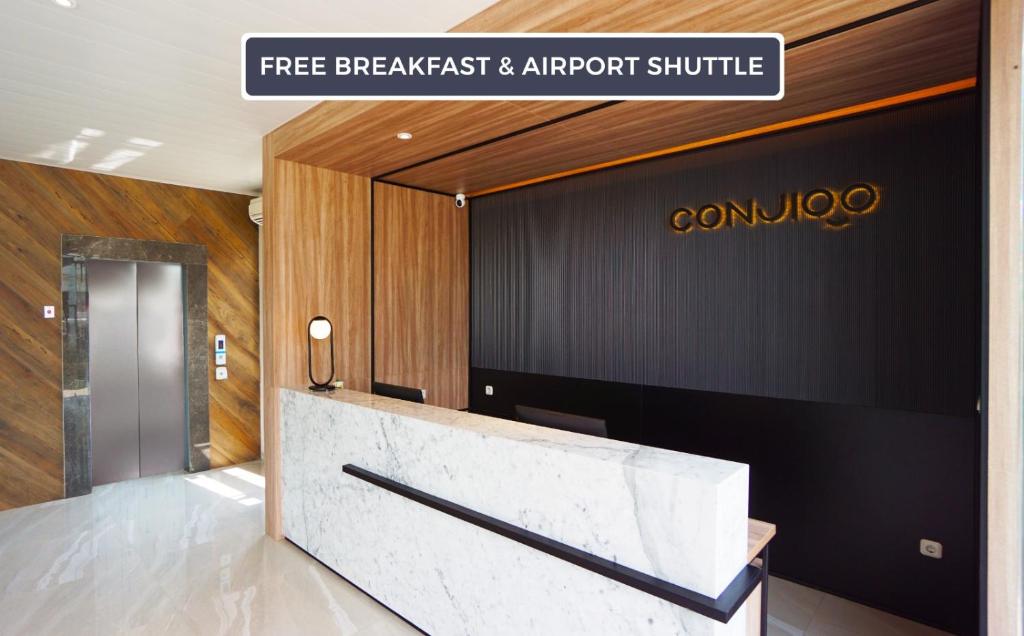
[720,609]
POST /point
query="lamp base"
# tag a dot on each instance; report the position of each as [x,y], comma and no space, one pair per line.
[323,388]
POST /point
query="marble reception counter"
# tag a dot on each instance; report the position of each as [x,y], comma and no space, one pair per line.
[462,523]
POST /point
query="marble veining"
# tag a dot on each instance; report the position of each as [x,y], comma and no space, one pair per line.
[172,555]
[679,517]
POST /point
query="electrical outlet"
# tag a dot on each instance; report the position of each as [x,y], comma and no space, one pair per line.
[488,390]
[48,311]
[931,549]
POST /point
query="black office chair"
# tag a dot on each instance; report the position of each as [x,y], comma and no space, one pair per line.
[562,421]
[400,392]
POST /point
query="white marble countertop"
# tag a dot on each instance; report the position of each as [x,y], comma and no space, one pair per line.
[678,517]
[637,456]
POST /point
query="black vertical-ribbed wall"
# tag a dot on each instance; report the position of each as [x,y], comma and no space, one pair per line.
[583,277]
[842,366]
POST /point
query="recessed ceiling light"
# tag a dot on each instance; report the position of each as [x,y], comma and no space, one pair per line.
[66,4]
[404,136]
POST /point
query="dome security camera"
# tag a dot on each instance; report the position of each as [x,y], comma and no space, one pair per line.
[460,200]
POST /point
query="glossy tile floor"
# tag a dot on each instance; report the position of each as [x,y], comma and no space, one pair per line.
[174,554]
[795,610]
[186,554]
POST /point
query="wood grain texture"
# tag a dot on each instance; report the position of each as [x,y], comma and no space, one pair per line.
[312,123]
[1006,312]
[924,47]
[320,266]
[359,137]
[37,205]
[759,534]
[421,293]
[364,142]
[316,246]
[794,19]
[269,393]
[750,133]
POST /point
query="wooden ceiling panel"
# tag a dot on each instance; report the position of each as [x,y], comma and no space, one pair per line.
[365,143]
[795,19]
[358,137]
[930,45]
[312,124]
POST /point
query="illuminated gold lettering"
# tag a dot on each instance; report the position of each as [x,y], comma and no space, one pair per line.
[731,208]
[783,211]
[831,207]
[719,217]
[819,211]
[680,220]
[859,198]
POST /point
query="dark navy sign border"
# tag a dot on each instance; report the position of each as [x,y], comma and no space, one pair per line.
[517,47]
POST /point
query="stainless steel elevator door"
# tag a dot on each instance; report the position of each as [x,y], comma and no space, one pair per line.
[136,369]
[113,370]
[161,369]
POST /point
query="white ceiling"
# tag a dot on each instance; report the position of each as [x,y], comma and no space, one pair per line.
[150,88]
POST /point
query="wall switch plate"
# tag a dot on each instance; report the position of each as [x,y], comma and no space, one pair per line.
[221,373]
[488,390]
[48,311]
[931,549]
[220,358]
[220,342]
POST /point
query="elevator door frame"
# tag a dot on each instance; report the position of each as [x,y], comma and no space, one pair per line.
[76,251]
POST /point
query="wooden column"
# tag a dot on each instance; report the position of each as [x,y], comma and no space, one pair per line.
[1004,376]
[316,252]
[421,293]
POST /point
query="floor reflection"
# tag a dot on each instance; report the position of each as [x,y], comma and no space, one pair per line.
[170,554]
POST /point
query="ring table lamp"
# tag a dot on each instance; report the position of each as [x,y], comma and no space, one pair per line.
[319,328]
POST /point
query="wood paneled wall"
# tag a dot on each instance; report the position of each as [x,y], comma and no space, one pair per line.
[319,240]
[37,205]
[316,250]
[421,293]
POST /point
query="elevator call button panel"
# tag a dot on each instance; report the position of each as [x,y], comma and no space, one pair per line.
[220,356]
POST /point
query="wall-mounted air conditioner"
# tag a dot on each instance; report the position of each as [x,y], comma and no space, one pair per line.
[256,210]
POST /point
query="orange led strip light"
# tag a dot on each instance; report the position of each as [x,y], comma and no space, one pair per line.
[877,104]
